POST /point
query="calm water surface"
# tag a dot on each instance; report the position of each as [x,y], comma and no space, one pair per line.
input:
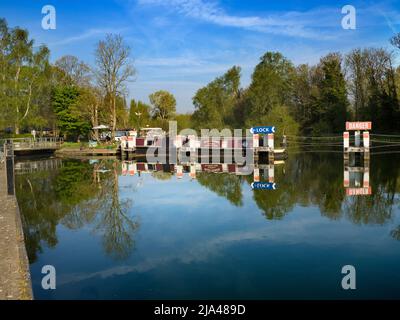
[154,236]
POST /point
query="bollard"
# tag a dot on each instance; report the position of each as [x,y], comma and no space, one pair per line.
[346,140]
[346,178]
[366,179]
[179,171]
[124,168]
[193,171]
[256,175]
[366,141]
[132,168]
[271,173]
[256,139]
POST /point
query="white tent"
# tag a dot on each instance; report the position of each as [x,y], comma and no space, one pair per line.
[100,127]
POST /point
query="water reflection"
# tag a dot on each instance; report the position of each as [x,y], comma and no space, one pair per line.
[79,193]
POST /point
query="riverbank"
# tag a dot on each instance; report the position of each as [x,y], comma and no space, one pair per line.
[73,152]
[15,280]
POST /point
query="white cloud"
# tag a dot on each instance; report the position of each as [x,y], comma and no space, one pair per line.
[86,35]
[299,24]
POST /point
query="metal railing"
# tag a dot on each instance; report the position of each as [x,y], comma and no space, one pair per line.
[36,144]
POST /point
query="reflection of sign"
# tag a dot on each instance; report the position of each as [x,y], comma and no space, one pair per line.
[263,186]
[211,168]
[262,130]
[358,191]
[359,125]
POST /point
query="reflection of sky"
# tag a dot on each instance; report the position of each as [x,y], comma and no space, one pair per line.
[193,243]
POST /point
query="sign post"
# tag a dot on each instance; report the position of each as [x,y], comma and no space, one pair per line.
[351,173]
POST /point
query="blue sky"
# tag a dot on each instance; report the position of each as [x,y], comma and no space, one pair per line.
[181,45]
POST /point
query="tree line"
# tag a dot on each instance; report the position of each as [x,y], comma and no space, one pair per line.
[362,85]
[70,97]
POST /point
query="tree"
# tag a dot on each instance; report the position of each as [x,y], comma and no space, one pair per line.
[306,95]
[163,105]
[90,106]
[395,40]
[24,73]
[66,108]
[280,117]
[122,113]
[214,103]
[372,82]
[184,121]
[271,86]
[113,70]
[139,114]
[333,101]
[356,65]
[74,72]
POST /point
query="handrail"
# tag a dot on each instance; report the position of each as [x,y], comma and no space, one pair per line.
[38,143]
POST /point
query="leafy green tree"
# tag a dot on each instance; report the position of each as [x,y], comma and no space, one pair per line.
[69,121]
[214,104]
[90,107]
[224,185]
[139,114]
[306,95]
[280,117]
[333,102]
[184,121]
[24,75]
[271,86]
[164,105]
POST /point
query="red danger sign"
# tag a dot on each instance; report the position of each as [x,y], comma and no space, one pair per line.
[359,191]
[359,125]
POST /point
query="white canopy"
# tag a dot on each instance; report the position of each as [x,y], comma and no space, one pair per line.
[100,127]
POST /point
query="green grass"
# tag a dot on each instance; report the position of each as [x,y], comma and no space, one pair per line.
[13,136]
[78,145]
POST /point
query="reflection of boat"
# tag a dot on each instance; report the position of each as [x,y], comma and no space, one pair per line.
[198,147]
[102,171]
[132,168]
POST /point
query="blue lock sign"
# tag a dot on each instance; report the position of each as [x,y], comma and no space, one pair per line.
[262,130]
[263,186]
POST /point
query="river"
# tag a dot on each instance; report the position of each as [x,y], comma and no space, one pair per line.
[112,233]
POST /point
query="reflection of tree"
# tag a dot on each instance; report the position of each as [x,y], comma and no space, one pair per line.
[317,179]
[275,203]
[396,233]
[76,195]
[225,185]
[41,212]
[114,223]
[161,175]
[377,208]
